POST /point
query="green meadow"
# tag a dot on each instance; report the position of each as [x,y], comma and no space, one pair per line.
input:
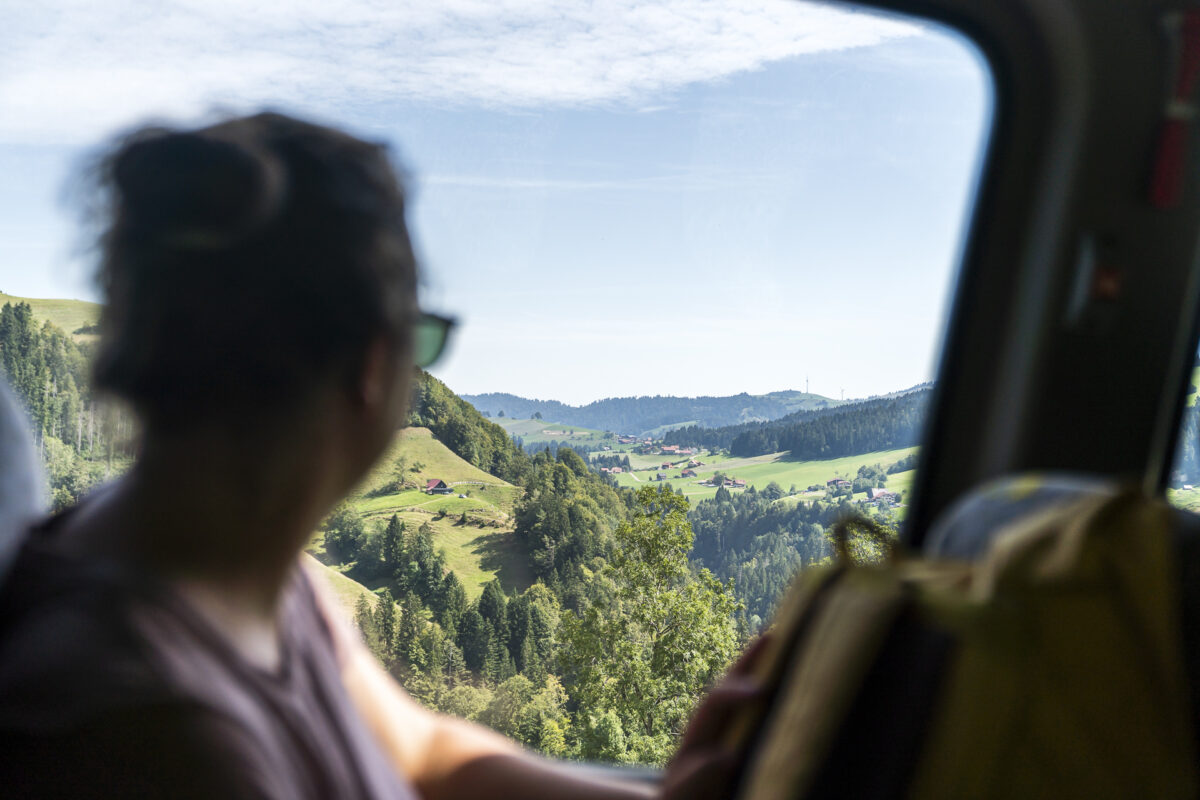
[536,431]
[762,470]
[477,550]
[70,315]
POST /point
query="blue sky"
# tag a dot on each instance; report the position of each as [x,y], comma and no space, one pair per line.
[617,198]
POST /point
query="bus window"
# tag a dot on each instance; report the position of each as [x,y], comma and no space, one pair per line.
[698,254]
[1183,484]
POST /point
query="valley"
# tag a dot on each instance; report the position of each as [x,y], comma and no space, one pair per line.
[494,565]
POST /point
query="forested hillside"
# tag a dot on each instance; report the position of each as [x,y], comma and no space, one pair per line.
[81,440]
[458,425]
[638,415]
[759,543]
[882,424]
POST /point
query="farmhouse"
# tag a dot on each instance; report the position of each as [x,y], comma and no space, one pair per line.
[437,486]
[662,476]
[670,448]
[881,494]
[617,470]
[688,473]
[738,483]
[838,483]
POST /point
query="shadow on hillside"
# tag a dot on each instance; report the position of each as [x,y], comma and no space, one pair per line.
[498,551]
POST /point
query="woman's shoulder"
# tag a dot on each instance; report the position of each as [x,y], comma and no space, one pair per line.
[87,706]
[69,648]
[170,750]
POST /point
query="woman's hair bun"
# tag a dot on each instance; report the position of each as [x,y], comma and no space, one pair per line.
[195,191]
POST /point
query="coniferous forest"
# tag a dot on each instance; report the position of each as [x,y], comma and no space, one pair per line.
[881,424]
[82,441]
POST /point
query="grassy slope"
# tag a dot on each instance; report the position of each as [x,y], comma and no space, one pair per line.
[343,589]
[478,551]
[761,470]
[70,315]
[1186,499]
[536,431]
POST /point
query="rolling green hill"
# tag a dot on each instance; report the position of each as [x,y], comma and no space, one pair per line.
[70,315]
[536,431]
[345,590]
[478,550]
[758,471]
[640,415]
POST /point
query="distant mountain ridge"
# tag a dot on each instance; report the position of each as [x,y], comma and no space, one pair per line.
[644,414]
[880,423]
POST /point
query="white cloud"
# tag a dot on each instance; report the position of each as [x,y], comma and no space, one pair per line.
[71,70]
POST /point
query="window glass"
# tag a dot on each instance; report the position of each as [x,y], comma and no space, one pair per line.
[1184,480]
[698,254]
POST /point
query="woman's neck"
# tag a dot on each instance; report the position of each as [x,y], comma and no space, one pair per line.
[213,509]
[221,519]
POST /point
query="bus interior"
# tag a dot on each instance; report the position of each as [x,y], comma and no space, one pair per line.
[1072,330]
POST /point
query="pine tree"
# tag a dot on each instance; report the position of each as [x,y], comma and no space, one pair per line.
[451,603]
[385,624]
[410,627]
[492,607]
[393,546]
[364,620]
[473,637]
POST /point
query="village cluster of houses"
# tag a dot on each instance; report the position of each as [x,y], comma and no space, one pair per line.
[730,483]
[876,497]
[648,448]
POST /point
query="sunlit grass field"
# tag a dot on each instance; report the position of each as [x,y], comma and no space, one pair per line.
[70,315]
[761,470]
[477,551]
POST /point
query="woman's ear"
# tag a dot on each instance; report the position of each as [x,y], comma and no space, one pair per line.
[383,382]
[377,376]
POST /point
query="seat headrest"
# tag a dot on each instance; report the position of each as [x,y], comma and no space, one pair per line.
[23,483]
[965,531]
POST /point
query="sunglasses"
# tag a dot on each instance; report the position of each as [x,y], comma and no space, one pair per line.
[430,335]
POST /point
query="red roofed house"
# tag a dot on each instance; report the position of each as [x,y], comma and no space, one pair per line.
[437,486]
[688,473]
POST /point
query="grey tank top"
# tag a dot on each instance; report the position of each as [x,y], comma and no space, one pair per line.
[112,686]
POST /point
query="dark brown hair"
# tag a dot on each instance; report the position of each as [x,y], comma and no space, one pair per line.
[245,262]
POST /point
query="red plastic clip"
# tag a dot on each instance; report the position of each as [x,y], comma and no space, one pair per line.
[1179,112]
